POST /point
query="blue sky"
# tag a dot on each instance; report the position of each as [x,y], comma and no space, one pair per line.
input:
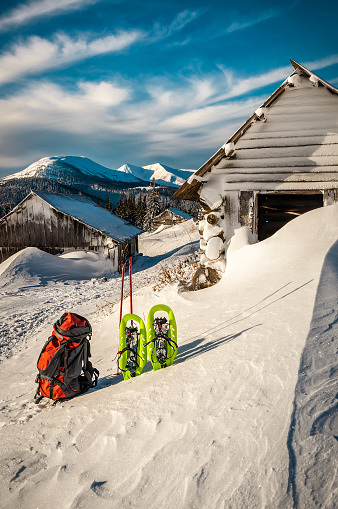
[158,81]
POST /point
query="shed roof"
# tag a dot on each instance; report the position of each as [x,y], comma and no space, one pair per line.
[82,208]
[180,213]
[191,188]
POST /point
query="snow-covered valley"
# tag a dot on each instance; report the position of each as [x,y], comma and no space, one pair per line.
[245,418]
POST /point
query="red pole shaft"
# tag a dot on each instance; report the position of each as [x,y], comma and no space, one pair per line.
[130,286]
[122,283]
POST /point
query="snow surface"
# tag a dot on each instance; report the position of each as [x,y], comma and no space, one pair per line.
[246,416]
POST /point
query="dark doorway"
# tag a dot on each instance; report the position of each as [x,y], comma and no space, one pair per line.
[275,210]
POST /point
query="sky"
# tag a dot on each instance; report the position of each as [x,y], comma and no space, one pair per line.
[122,81]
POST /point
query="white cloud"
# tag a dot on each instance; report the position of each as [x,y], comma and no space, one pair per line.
[49,103]
[104,94]
[236,86]
[25,13]
[172,97]
[322,63]
[247,23]
[37,54]
[211,115]
[179,22]
[240,86]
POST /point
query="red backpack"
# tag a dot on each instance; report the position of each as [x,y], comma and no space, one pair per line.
[64,367]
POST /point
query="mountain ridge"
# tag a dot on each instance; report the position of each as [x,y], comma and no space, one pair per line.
[66,169]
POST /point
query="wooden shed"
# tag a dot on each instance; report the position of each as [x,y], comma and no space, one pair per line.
[282,162]
[170,217]
[58,222]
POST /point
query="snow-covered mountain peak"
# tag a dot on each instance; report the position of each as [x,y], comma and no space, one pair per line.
[56,167]
[162,174]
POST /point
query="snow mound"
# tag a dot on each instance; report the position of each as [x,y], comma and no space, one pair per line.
[242,237]
[305,236]
[167,238]
[31,266]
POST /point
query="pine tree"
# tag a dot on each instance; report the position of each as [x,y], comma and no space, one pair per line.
[107,205]
[141,206]
[119,211]
[130,212]
[152,210]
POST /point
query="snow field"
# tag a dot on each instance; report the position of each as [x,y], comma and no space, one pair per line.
[213,430]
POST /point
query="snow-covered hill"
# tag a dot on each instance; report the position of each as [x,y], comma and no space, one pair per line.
[61,168]
[245,418]
[162,174]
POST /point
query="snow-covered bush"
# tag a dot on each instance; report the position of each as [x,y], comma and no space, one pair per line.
[181,272]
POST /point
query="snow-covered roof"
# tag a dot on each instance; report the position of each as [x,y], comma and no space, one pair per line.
[172,212]
[85,210]
[180,213]
[300,134]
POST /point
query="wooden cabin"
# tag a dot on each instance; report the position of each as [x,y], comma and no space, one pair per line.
[282,162]
[58,222]
[170,217]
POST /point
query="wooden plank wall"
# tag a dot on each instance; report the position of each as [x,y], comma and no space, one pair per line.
[35,223]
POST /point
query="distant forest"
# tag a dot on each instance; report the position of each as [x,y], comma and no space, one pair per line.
[136,205]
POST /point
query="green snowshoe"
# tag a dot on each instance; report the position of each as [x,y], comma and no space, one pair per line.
[132,354]
[161,337]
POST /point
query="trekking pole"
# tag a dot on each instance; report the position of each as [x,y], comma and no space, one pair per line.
[122,283]
[130,287]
